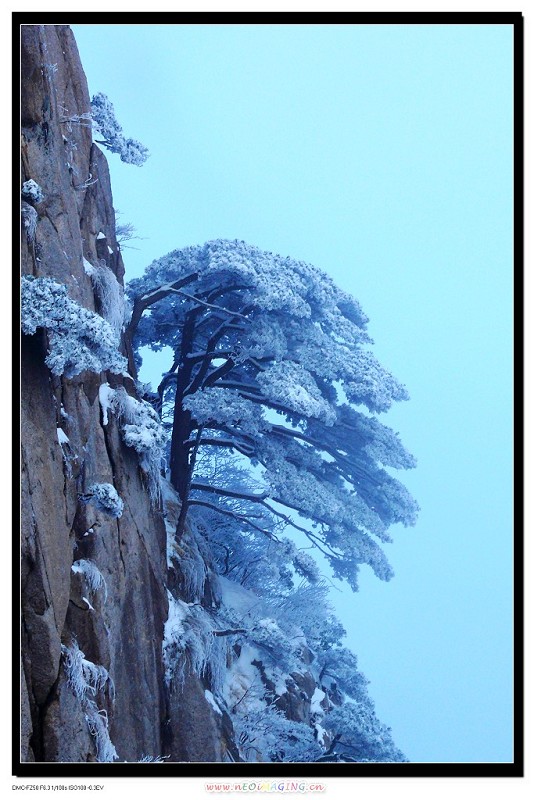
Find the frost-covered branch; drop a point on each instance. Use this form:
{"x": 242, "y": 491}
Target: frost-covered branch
{"x": 205, "y": 304}
{"x": 242, "y": 518}
{"x": 252, "y": 498}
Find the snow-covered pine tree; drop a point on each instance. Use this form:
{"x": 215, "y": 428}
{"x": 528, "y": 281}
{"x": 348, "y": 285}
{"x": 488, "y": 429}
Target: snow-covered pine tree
{"x": 110, "y": 132}
{"x": 358, "y": 735}
{"x": 271, "y": 362}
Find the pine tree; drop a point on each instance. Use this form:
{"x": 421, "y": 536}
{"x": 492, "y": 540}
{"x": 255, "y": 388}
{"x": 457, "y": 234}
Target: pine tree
{"x": 105, "y": 122}
{"x": 271, "y": 362}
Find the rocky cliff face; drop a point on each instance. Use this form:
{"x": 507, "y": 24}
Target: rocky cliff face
{"x": 75, "y": 221}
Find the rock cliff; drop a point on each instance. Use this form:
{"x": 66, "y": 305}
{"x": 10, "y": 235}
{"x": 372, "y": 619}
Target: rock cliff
{"x": 76, "y": 222}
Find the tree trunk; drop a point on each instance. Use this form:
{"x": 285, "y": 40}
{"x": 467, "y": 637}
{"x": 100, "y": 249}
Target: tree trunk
{"x": 182, "y": 427}
{"x": 179, "y": 461}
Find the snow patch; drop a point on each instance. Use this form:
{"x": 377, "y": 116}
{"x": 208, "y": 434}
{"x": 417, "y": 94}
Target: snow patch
{"x": 105, "y": 394}
{"x": 321, "y": 734}
{"x": 243, "y": 686}
{"x": 88, "y": 267}
{"x": 90, "y": 607}
{"x": 62, "y": 437}
{"x": 211, "y": 700}
{"x": 315, "y": 705}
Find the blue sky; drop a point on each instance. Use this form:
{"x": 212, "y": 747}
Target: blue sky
{"x": 383, "y": 155}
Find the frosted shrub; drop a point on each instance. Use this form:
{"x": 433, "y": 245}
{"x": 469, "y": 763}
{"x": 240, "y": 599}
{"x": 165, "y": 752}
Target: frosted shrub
{"x": 92, "y": 575}
{"x": 97, "y": 722}
{"x": 32, "y": 192}
{"x": 84, "y": 677}
{"x": 193, "y": 571}
{"x": 29, "y": 221}
{"x": 360, "y": 734}
{"x": 307, "y": 566}
{"x": 105, "y": 497}
{"x": 105, "y": 122}
{"x": 193, "y": 563}
{"x": 111, "y": 296}
{"x": 265, "y": 734}
{"x": 268, "y": 634}
{"x": 305, "y": 609}
{"x": 152, "y": 760}
{"x": 189, "y": 645}
{"x": 141, "y": 429}
{"x": 87, "y": 681}
{"x": 79, "y": 339}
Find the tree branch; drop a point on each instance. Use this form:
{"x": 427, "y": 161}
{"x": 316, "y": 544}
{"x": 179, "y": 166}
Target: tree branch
{"x": 209, "y": 305}
{"x": 238, "y": 517}
{"x": 254, "y": 498}
{"x": 229, "y": 632}
{"x": 246, "y": 450}
{"x": 140, "y": 305}
{"x": 185, "y": 501}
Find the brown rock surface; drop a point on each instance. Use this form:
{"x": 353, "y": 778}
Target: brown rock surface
{"x": 124, "y": 634}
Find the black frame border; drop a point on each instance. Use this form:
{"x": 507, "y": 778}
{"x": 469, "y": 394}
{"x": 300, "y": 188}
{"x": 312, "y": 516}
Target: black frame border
{"x": 232, "y": 772}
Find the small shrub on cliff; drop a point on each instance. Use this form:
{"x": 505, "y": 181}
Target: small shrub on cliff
{"x": 88, "y": 681}
{"x": 92, "y": 575}
{"x": 78, "y": 339}
{"x": 189, "y": 644}
{"x": 29, "y": 221}
{"x": 105, "y": 122}
{"x": 85, "y": 678}
{"x": 140, "y": 428}
{"x": 32, "y": 192}
{"x": 105, "y": 497}
{"x": 111, "y": 296}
